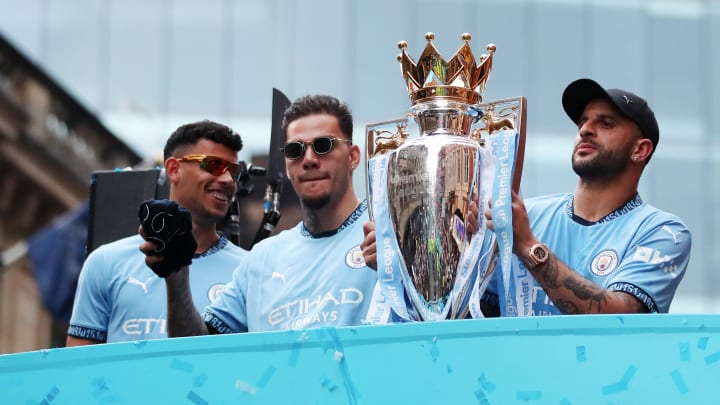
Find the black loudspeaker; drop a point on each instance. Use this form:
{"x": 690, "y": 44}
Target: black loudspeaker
{"x": 115, "y": 198}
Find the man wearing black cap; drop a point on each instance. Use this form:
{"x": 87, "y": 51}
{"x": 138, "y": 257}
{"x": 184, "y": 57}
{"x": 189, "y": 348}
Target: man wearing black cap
{"x": 602, "y": 249}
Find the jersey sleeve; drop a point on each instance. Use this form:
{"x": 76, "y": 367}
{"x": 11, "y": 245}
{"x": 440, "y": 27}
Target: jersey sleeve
{"x": 652, "y": 269}
{"x": 91, "y": 307}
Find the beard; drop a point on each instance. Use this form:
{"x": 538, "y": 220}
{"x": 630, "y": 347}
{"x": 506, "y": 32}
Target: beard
{"x": 606, "y": 164}
{"x": 315, "y": 203}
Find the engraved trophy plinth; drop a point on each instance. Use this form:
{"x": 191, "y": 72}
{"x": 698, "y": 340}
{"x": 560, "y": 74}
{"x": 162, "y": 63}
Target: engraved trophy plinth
{"x": 423, "y": 174}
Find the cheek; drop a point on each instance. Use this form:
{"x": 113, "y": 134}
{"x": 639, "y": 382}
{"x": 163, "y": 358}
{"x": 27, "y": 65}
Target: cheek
{"x": 292, "y": 169}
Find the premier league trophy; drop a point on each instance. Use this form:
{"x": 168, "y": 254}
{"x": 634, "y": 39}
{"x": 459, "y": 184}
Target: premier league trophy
{"x": 422, "y": 176}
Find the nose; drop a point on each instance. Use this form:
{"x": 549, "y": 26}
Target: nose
{"x": 310, "y": 158}
{"x": 586, "y": 129}
{"x": 226, "y": 177}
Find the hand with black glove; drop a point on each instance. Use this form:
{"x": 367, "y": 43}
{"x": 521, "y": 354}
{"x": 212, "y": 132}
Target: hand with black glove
{"x": 168, "y": 226}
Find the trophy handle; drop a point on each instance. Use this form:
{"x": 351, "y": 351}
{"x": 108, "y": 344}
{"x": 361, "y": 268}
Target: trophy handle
{"x": 383, "y": 137}
{"x": 508, "y": 113}
{"x": 520, "y": 157}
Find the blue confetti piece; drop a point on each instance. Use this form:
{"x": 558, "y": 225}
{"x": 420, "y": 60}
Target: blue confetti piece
{"x": 565, "y": 401}
{"x": 328, "y": 384}
{"x": 328, "y": 346}
{"x": 434, "y": 352}
{"x": 629, "y": 373}
{"x": 267, "y": 375}
{"x": 200, "y": 380}
{"x": 181, "y": 365}
{"x": 621, "y": 385}
{"x": 100, "y": 386}
{"x": 580, "y": 354}
{"x": 294, "y": 355}
{"x": 196, "y": 399}
{"x": 481, "y": 398}
{"x": 449, "y": 369}
{"x": 702, "y": 343}
{"x": 684, "y": 351}
{"x": 353, "y": 394}
{"x": 485, "y": 383}
{"x": 613, "y": 388}
{"x": 712, "y": 358}
{"x": 111, "y": 399}
{"x": 51, "y": 395}
{"x": 528, "y": 395}
{"x": 679, "y": 382}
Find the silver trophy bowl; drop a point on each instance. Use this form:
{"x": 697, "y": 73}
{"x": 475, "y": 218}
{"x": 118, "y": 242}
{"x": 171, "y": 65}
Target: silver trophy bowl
{"x": 431, "y": 180}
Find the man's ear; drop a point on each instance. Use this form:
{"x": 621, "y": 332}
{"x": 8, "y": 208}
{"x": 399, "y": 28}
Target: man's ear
{"x": 354, "y": 156}
{"x": 172, "y": 166}
{"x": 643, "y": 150}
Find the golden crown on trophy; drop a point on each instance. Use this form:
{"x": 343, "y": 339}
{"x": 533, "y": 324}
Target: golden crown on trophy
{"x": 460, "y": 78}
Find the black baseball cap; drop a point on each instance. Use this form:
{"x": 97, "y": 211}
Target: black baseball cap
{"x": 580, "y": 92}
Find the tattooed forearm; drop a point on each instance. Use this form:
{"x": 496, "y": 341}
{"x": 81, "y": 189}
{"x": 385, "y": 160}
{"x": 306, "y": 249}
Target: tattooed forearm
{"x": 586, "y": 291}
{"x": 550, "y": 273}
{"x": 573, "y": 294}
{"x": 566, "y": 307}
{"x": 182, "y": 317}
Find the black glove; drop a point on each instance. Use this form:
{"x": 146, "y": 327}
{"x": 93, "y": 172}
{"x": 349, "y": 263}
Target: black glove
{"x": 169, "y": 226}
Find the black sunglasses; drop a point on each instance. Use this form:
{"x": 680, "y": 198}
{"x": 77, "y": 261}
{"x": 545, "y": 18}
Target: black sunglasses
{"x": 321, "y": 146}
{"x": 214, "y": 165}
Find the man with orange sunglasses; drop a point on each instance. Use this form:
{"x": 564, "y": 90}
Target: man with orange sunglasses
{"x": 118, "y": 297}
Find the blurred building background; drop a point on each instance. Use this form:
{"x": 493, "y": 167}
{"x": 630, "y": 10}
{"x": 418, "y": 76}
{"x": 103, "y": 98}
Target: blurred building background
{"x": 145, "y": 67}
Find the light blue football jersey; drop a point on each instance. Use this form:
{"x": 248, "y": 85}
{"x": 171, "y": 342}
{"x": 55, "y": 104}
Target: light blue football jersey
{"x": 637, "y": 249}
{"x": 119, "y": 298}
{"x": 295, "y": 281}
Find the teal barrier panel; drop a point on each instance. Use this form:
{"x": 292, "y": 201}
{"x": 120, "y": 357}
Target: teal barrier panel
{"x": 630, "y": 359}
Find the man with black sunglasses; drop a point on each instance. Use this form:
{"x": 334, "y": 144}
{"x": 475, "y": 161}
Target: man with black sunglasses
{"x": 118, "y": 297}
{"x": 312, "y": 275}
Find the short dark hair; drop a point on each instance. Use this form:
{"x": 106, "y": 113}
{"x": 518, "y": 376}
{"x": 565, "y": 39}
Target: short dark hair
{"x": 320, "y": 104}
{"x": 190, "y": 134}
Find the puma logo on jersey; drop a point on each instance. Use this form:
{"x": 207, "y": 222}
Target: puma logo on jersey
{"x": 133, "y": 280}
{"x": 650, "y": 255}
{"x": 673, "y": 234}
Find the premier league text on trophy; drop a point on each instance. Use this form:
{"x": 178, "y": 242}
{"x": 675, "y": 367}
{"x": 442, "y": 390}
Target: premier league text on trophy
{"x": 422, "y": 175}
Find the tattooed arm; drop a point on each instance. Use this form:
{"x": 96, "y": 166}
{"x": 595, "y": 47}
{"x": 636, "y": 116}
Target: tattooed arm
{"x": 570, "y": 292}
{"x": 182, "y": 317}
{"x": 574, "y": 294}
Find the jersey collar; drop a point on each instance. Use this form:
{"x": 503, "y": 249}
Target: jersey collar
{"x": 624, "y": 209}
{"x": 354, "y": 216}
